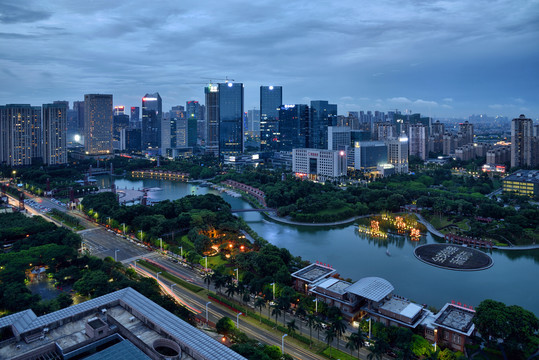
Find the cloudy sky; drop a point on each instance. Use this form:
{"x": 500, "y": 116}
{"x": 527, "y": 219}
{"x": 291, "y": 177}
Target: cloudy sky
{"x": 448, "y": 58}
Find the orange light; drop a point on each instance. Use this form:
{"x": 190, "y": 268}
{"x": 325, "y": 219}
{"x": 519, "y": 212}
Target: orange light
{"x": 242, "y": 247}
{"x": 230, "y": 245}
{"x": 223, "y": 339}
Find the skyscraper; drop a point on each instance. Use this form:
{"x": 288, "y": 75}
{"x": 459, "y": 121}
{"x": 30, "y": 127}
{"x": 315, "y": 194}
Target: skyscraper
{"x": 466, "y": 129}
{"x": 152, "y": 116}
{"x": 194, "y": 133}
{"x": 97, "y": 124}
{"x": 211, "y": 93}
{"x": 397, "y": 153}
{"x": 230, "y": 118}
{"x": 271, "y": 98}
{"x": 293, "y": 127}
{"x": 135, "y": 115}
{"x": 521, "y": 142}
{"x": 20, "y": 134}
{"x": 323, "y": 115}
{"x": 417, "y": 135}
{"x": 55, "y": 133}
{"x": 78, "y": 106}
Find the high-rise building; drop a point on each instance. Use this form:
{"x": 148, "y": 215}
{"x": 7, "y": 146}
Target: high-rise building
{"x": 20, "y": 134}
{"x": 119, "y": 110}
{"x": 135, "y": 115}
{"x": 78, "y": 106}
{"x": 271, "y": 98}
{"x": 253, "y": 121}
{"x": 120, "y": 121}
{"x": 152, "y": 116}
{"x": 339, "y": 137}
{"x": 369, "y": 154}
{"x": 323, "y": 115}
{"x": 55, "y": 133}
{"x": 230, "y": 118}
{"x": 397, "y": 153}
{"x": 417, "y": 140}
{"x": 521, "y": 142}
{"x": 466, "y": 129}
{"x": 211, "y": 93}
{"x": 195, "y": 122}
{"x": 98, "y": 124}
{"x": 292, "y": 129}
{"x": 319, "y": 164}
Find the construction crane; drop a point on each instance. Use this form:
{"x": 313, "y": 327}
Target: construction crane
{"x": 226, "y": 79}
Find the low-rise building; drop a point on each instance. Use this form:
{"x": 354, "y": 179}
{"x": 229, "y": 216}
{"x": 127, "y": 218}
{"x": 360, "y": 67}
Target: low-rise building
{"x": 311, "y": 274}
{"x": 451, "y": 326}
{"x": 317, "y": 164}
{"x": 523, "y": 182}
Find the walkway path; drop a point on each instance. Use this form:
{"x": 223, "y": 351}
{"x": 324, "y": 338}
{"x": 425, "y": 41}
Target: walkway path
{"x": 290, "y": 222}
{"x": 429, "y": 226}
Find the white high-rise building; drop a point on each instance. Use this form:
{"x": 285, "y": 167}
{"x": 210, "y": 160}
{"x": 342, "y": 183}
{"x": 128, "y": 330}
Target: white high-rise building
{"x": 397, "y": 153}
{"x": 417, "y": 135}
{"x": 55, "y": 133}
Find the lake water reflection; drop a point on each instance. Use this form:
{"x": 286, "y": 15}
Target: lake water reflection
{"x": 512, "y": 279}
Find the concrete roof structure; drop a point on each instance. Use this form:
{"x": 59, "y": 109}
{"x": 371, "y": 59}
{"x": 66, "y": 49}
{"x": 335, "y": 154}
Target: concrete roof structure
{"x": 456, "y": 318}
{"x": 371, "y": 288}
{"x": 126, "y": 311}
{"x": 314, "y": 273}
{"x": 402, "y": 307}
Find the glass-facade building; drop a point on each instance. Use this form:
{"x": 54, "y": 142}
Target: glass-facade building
{"x": 152, "y": 116}
{"x": 211, "y": 93}
{"x": 271, "y": 98}
{"x": 323, "y": 115}
{"x": 98, "y": 124}
{"x": 230, "y": 119}
{"x": 55, "y": 133}
{"x": 293, "y": 127}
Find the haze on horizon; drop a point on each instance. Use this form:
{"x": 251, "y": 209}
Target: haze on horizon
{"x": 440, "y": 58}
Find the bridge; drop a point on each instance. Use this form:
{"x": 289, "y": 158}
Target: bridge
{"x": 253, "y": 210}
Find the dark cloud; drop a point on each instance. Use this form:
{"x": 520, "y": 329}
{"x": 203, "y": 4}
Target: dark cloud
{"x": 13, "y": 14}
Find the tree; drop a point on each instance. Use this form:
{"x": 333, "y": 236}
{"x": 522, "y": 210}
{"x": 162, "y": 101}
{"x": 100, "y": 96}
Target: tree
{"x": 276, "y": 311}
{"x": 230, "y": 290}
{"x": 225, "y": 326}
{"x": 300, "y": 312}
{"x": 378, "y": 350}
{"x": 259, "y": 303}
{"x": 318, "y": 326}
{"x": 339, "y": 326}
{"x": 355, "y": 342}
{"x": 311, "y": 322}
{"x": 291, "y": 325}
{"x": 208, "y": 276}
{"x": 330, "y": 336}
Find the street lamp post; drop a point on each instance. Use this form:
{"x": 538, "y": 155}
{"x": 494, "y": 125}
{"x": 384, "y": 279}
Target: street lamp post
{"x": 181, "y": 251}
{"x": 237, "y": 274}
{"x": 315, "y": 304}
{"x": 273, "y": 290}
{"x": 206, "y": 259}
{"x": 115, "y": 256}
{"x": 141, "y": 235}
{"x": 123, "y": 224}
{"x": 282, "y": 343}
{"x": 208, "y": 303}
{"x": 157, "y": 275}
{"x": 238, "y": 320}
{"x": 161, "y": 244}
{"x": 369, "y": 328}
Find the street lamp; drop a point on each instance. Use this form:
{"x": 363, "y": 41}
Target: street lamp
{"x": 237, "y": 274}
{"x": 273, "y": 290}
{"x": 115, "y": 252}
{"x": 140, "y": 234}
{"x": 369, "y": 328}
{"x": 161, "y": 244}
{"x": 316, "y": 304}
{"x": 206, "y": 258}
{"x": 208, "y": 303}
{"x": 181, "y": 251}
{"x": 123, "y": 224}
{"x": 282, "y": 343}
{"x": 238, "y": 320}
{"x": 157, "y": 275}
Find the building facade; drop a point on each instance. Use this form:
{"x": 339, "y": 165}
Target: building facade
{"x": 55, "y": 133}
{"x": 523, "y": 182}
{"x": 417, "y": 135}
{"x": 397, "y": 154}
{"x": 211, "y": 93}
{"x": 271, "y": 98}
{"x": 230, "y": 119}
{"x": 292, "y": 128}
{"x": 98, "y": 124}
{"x": 521, "y": 142}
{"x": 20, "y": 134}
{"x": 323, "y": 114}
{"x": 319, "y": 165}
{"x": 152, "y": 117}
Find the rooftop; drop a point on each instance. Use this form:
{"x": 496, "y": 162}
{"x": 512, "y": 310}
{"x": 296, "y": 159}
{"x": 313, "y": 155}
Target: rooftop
{"x": 371, "y": 288}
{"x": 402, "y": 307}
{"x": 334, "y": 285}
{"x": 456, "y": 318}
{"x": 122, "y": 351}
{"x": 313, "y": 272}
{"x": 530, "y": 176}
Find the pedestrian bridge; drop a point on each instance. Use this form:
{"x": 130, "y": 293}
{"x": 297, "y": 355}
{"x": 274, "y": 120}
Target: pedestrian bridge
{"x": 253, "y": 210}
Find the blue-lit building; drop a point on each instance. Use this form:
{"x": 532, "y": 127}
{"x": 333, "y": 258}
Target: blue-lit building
{"x": 230, "y": 118}
{"x": 152, "y": 116}
{"x": 293, "y": 127}
{"x": 271, "y": 98}
{"x": 323, "y": 115}
{"x": 211, "y": 143}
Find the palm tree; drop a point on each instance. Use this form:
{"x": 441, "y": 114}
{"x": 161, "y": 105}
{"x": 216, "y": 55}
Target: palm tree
{"x": 355, "y": 342}
{"x": 207, "y": 279}
{"x": 230, "y": 290}
{"x": 378, "y": 350}
{"x": 300, "y": 312}
{"x": 311, "y": 321}
{"x": 339, "y": 326}
{"x": 291, "y": 325}
{"x": 284, "y": 305}
{"x": 318, "y": 326}
{"x": 259, "y": 303}
{"x": 277, "y": 312}
{"x": 407, "y": 354}
{"x": 218, "y": 281}
{"x": 330, "y": 336}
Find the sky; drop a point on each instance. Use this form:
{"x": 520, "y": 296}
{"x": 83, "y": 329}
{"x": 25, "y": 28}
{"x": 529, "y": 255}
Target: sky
{"x": 449, "y": 58}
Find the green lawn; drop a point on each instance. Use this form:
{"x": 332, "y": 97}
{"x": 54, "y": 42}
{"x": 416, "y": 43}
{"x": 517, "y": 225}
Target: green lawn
{"x": 337, "y": 354}
{"x": 214, "y": 261}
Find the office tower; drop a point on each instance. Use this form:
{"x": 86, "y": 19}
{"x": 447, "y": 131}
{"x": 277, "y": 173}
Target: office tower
{"x": 230, "y": 126}
{"x": 152, "y": 109}
{"x": 521, "y": 142}
{"x": 292, "y": 128}
{"x": 97, "y": 124}
{"x": 55, "y": 133}
{"x": 132, "y": 140}
{"x": 253, "y": 121}
{"x": 397, "y": 153}
{"x": 385, "y": 131}
{"x": 20, "y": 134}
{"x": 120, "y": 121}
{"x": 135, "y": 115}
{"x": 211, "y": 93}
{"x": 119, "y": 110}
{"x": 367, "y": 155}
{"x": 466, "y": 129}
{"x": 271, "y": 98}
{"x": 78, "y": 106}
{"x": 339, "y": 137}
{"x": 417, "y": 140}
{"x": 195, "y": 122}
{"x": 323, "y": 115}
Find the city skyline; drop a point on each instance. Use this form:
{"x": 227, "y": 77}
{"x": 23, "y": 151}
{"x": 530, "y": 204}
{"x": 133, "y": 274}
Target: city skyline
{"x": 440, "y": 59}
